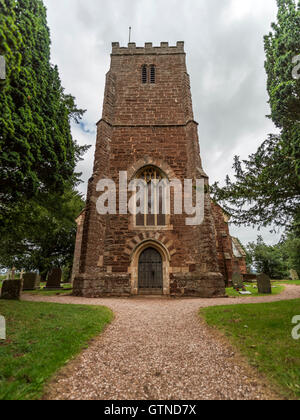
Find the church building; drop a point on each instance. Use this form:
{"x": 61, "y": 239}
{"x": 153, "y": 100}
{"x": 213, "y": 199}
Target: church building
{"x": 148, "y": 130}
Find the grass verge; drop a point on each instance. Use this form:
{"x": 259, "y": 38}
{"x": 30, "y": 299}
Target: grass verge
{"x": 41, "y": 338}
{"x": 66, "y": 289}
{"x": 233, "y": 293}
{"x": 292, "y": 282}
{"x": 263, "y": 333}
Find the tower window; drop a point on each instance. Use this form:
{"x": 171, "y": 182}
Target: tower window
{"x": 146, "y": 217}
{"x": 148, "y": 74}
{"x": 144, "y": 74}
{"x": 152, "y": 74}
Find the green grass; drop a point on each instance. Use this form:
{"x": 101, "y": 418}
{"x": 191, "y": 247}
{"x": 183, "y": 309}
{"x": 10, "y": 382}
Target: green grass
{"x": 66, "y": 290}
{"x": 41, "y": 338}
{"x": 61, "y": 292}
{"x": 233, "y": 293}
{"x": 49, "y": 292}
{"x": 292, "y": 282}
{"x": 263, "y": 333}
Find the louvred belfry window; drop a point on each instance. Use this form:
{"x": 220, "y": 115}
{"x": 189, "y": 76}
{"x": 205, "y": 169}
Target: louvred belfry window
{"x": 144, "y": 74}
{"x": 148, "y": 74}
{"x": 152, "y": 74}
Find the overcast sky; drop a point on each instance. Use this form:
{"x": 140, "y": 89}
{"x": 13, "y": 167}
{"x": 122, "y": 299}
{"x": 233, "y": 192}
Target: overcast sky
{"x": 225, "y": 58}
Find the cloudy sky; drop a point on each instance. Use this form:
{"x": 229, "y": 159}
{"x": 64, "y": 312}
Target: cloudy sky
{"x": 225, "y": 57}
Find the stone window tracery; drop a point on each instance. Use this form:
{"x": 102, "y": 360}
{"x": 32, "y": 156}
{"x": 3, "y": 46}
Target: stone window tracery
{"x": 146, "y": 218}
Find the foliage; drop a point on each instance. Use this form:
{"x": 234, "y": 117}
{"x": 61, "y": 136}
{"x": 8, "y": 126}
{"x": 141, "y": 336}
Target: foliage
{"x": 10, "y": 38}
{"x": 277, "y": 260}
{"x": 37, "y": 152}
{"x": 40, "y": 234}
{"x": 281, "y": 46}
{"x": 268, "y": 259}
{"x": 291, "y": 251}
{"x": 41, "y": 338}
{"x": 267, "y": 186}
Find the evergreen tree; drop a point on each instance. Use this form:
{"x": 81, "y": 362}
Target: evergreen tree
{"x": 267, "y": 185}
{"x": 270, "y": 260}
{"x": 37, "y": 152}
{"x": 291, "y": 250}
{"x": 40, "y": 233}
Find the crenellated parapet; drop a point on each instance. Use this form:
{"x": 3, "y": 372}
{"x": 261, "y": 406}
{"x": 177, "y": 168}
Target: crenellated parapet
{"x": 148, "y": 49}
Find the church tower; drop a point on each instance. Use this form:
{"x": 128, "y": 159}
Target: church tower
{"x": 148, "y": 131}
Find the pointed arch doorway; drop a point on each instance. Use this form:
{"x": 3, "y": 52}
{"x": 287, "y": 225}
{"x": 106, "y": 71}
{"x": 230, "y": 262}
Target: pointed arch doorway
{"x": 150, "y": 272}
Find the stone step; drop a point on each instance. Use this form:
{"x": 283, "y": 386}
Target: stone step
{"x": 150, "y": 292}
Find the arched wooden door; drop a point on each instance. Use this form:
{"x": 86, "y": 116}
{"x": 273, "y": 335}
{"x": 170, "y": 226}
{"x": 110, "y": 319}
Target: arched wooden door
{"x": 150, "y": 271}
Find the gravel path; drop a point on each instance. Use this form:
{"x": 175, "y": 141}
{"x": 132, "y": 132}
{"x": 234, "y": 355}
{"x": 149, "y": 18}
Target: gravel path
{"x": 159, "y": 349}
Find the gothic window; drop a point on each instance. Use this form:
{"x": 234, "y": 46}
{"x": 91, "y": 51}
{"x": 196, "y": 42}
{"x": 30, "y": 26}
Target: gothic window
{"x": 146, "y": 218}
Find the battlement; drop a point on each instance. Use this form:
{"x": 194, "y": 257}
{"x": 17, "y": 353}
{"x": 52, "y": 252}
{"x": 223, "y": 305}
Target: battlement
{"x": 148, "y": 49}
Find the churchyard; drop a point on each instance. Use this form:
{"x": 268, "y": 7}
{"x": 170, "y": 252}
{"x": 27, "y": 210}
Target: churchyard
{"x": 123, "y": 280}
{"x": 262, "y": 332}
{"x": 42, "y": 337}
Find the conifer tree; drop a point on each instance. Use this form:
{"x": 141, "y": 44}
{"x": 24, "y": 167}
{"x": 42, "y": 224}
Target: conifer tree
{"x": 267, "y": 185}
{"x": 37, "y": 151}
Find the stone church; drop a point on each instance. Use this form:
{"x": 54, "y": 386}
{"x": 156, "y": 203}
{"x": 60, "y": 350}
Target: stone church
{"x": 148, "y": 130}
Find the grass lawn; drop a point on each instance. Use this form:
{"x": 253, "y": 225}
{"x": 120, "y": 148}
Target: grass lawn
{"x": 292, "y": 282}
{"x": 66, "y": 290}
{"x": 61, "y": 292}
{"x": 263, "y": 333}
{"x": 41, "y": 338}
{"x": 275, "y": 291}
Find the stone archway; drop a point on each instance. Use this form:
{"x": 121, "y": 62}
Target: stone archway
{"x": 146, "y": 161}
{"x": 165, "y": 261}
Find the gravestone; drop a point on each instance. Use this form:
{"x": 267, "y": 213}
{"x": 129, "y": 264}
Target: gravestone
{"x": 264, "y": 284}
{"x": 294, "y": 275}
{"x": 11, "y": 289}
{"x": 237, "y": 281}
{"x": 31, "y": 281}
{"x": 54, "y": 279}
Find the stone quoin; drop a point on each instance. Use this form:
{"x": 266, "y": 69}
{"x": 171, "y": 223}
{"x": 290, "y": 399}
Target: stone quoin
{"x": 148, "y": 130}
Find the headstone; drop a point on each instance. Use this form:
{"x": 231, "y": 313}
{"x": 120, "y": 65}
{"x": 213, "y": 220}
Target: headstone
{"x": 54, "y": 279}
{"x": 11, "y": 289}
{"x": 294, "y": 275}
{"x": 31, "y": 281}
{"x": 245, "y": 293}
{"x": 237, "y": 281}
{"x": 264, "y": 284}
